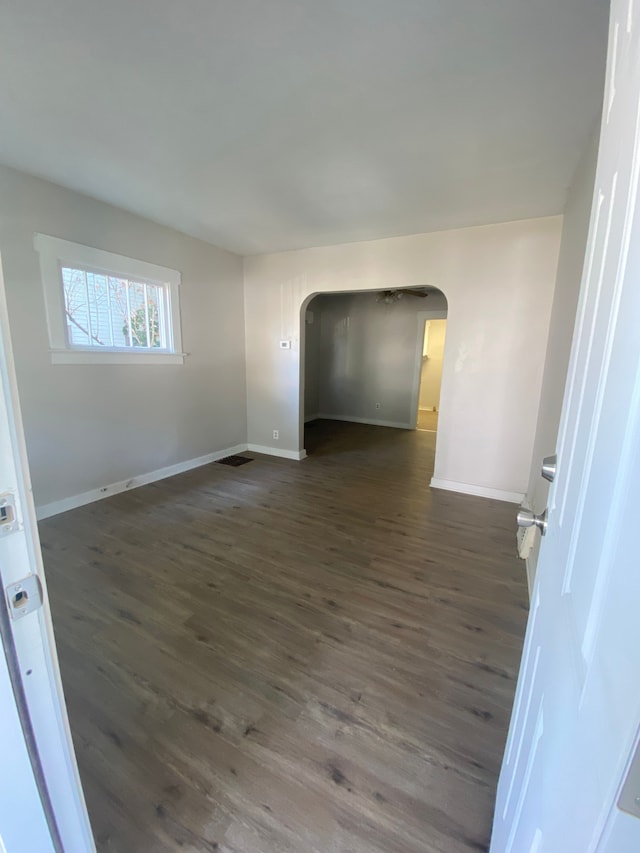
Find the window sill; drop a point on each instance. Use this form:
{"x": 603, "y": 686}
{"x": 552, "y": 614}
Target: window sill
{"x": 90, "y": 357}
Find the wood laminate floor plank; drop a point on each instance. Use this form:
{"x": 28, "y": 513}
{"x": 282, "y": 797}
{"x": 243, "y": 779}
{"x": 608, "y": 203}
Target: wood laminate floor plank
{"x": 314, "y": 657}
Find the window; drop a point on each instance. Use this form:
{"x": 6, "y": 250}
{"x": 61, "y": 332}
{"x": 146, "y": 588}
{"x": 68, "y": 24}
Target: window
{"x": 108, "y": 309}
{"x": 103, "y": 310}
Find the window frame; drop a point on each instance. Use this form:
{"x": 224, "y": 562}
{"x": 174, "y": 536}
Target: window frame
{"x": 56, "y": 253}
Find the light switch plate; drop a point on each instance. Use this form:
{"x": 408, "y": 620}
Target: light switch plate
{"x": 285, "y": 344}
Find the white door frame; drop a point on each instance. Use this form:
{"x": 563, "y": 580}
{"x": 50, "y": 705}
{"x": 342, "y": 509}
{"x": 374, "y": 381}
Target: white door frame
{"x": 422, "y": 317}
{"x": 41, "y": 707}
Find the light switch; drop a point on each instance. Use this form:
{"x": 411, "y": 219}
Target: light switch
{"x": 285, "y": 344}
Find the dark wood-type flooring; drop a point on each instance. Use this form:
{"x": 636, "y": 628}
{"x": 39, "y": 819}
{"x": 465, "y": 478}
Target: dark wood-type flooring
{"x": 316, "y": 656}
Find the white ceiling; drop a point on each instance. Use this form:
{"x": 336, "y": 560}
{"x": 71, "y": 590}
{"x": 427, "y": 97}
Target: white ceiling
{"x": 261, "y": 125}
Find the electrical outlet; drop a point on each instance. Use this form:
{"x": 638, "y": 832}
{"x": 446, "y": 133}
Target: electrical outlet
{"x": 378, "y": 405}
{"x": 276, "y": 434}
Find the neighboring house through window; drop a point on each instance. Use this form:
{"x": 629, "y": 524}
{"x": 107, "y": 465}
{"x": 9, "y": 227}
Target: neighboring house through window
{"x": 104, "y": 308}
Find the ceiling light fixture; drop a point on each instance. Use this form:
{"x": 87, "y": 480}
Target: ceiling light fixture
{"x": 388, "y": 297}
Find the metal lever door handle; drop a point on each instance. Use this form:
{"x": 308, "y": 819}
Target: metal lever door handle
{"x": 527, "y": 518}
{"x": 549, "y": 467}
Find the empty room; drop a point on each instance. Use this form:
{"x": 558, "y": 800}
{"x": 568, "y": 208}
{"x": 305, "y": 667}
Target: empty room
{"x": 320, "y": 406}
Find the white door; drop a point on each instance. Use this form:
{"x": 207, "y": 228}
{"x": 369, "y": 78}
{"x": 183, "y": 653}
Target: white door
{"x": 41, "y": 802}
{"x": 577, "y": 709}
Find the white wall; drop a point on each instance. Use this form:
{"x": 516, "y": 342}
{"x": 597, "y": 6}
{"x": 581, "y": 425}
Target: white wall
{"x": 431, "y": 368}
{"x": 367, "y": 355}
{"x": 574, "y": 239}
{"x": 498, "y": 281}
{"x": 88, "y": 426}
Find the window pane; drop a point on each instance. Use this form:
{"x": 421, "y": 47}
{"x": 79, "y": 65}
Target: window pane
{"x": 143, "y": 329}
{"x": 108, "y": 311}
{"x": 136, "y": 326}
{"x": 76, "y": 307}
{"x": 118, "y": 289}
{"x": 154, "y": 301}
{"x": 98, "y": 310}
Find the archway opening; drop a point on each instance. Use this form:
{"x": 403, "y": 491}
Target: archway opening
{"x": 364, "y": 359}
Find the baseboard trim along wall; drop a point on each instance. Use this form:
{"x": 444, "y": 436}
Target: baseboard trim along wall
{"x": 65, "y": 504}
{"x": 369, "y": 421}
{"x": 479, "y": 491}
{"x": 275, "y": 451}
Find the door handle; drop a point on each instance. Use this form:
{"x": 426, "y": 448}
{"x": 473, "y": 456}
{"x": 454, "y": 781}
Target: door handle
{"x": 527, "y": 518}
{"x": 549, "y": 467}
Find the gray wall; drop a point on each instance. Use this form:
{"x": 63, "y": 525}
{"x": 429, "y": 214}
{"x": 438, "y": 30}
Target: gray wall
{"x": 366, "y": 355}
{"x": 89, "y": 426}
{"x": 563, "y": 314}
{"x": 312, "y": 364}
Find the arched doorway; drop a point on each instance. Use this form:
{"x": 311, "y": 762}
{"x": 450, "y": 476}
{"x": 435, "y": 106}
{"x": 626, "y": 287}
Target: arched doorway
{"x": 361, "y": 356}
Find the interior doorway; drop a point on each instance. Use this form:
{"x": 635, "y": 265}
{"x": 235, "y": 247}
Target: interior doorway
{"x": 431, "y": 362}
{"x": 362, "y": 358}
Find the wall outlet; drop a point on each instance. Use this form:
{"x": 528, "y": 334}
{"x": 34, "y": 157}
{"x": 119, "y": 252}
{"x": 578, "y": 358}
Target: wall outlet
{"x": 378, "y": 405}
{"x": 276, "y": 434}
{"x": 285, "y": 344}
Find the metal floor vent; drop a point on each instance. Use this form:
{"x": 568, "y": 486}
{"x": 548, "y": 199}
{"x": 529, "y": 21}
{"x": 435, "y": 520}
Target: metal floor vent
{"x": 234, "y": 461}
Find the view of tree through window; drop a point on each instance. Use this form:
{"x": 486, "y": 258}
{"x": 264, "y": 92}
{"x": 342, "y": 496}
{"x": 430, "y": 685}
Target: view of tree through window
{"x": 103, "y": 310}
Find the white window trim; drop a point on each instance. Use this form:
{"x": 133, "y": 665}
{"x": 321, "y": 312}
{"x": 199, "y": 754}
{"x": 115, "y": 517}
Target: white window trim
{"x": 55, "y": 252}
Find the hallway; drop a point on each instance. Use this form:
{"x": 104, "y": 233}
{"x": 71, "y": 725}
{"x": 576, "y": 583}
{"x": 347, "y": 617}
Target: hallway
{"x": 291, "y": 657}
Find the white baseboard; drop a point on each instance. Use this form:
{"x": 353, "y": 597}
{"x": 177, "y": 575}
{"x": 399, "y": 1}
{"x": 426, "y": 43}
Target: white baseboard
{"x": 370, "y": 421}
{"x": 56, "y": 507}
{"x": 276, "y": 451}
{"x": 308, "y": 418}
{"x": 479, "y": 491}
